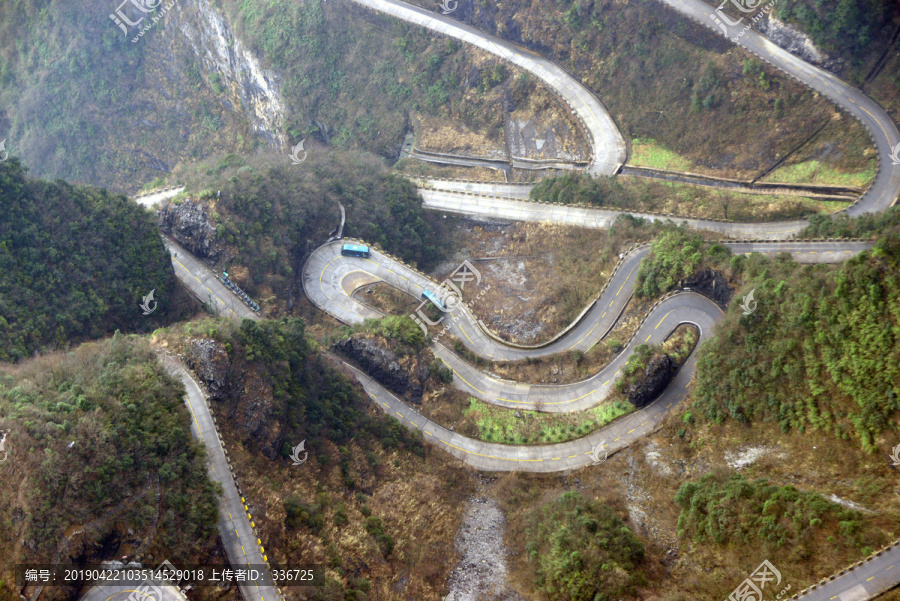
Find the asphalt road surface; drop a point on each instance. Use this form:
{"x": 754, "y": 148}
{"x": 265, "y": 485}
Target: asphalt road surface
{"x": 326, "y": 273}
{"x": 118, "y": 592}
{"x": 237, "y": 535}
{"x": 607, "y": 145}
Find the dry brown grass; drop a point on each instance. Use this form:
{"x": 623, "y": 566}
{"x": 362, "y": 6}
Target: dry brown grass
{"x": 419, "y": 500}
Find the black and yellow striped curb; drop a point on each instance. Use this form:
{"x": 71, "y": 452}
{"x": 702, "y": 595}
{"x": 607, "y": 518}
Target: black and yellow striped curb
{"x": 849, "y": 569}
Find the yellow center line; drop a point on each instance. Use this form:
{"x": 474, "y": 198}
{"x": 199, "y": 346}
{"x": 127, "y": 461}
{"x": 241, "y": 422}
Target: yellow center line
{"x": 488, "y": 456}
{"x": 626, "y": 279}
{"x": 876, "y": 121}
{"x": 464, "y": 380}
{"x": 663, "y": 319}
{"x": 648, "y": 337}
{"x": 461, "y": 329}
{"x": 585, "y": 336}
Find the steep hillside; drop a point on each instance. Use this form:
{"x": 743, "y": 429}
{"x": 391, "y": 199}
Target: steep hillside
{"x": 75, "y": 263}
{"x": 819, "y": 352}
{"x": 260, "y": 222}
{"x": 372, "y": 502}
{"x": 99, "y": 440}
{"x": 687, "y": 92}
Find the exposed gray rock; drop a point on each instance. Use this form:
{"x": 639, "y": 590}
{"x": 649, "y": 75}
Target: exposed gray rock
{"x": 191, "y": 227}
{"x": 210, "y": 362}
{"x": 711, "y": 284}
{"x": 384, "y": 365}
{"x": 656, "y": 377}
{"x": 242, "y": 393}
{"x": 482, "y": 573}
{"x": 790, "y": 38}
{"x": 244, "y": 80}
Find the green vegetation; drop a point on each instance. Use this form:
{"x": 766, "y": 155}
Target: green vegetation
{"x": 582, "y": 551}
{"x": 729, "y": 509}
{"x": 581, "y": 188}
{"x": 637, "y": 363}
{"x": 311, "y": 400}
{"x": 401, "y": 329}
{"x": 318, "y": 57}
{"x": 491, "y": 423}
{"x": 75, "y": 263}
{"x": 129, "y": 427}
{"x": 630, "y": 193}
{"x": 439, "y": 370}
{"x": 273, "y": 217}
{"x": 647, "y": 152}
{"x": 864, "y": 226}
{"x": 844, "y": 27}
{"x": 675, "y": 255}
{"x": 815, "y": 172}
{"x": 820, "y": 352}
{"x": 300, "y": 515}
{"x": 376, "y": 529}
{"x": 85, "y": 61}
{"x": 636, "y": 366}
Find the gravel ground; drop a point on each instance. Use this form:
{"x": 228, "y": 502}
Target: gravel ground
{"x": 481, "y": 574}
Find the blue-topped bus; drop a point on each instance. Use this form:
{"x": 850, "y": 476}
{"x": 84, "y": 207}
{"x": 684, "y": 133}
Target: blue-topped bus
{"x": 434, "y": 300}
{"x": 355, "y": 250}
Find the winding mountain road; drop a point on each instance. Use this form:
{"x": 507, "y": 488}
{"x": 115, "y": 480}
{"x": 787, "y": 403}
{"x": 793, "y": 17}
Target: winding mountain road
{"x": 607, "y": 144}
{"x": 329, "y": 278}
{"x": 468, "y": 197}
{"x": 496, "y": 200}
{"x": 237, "y": 534}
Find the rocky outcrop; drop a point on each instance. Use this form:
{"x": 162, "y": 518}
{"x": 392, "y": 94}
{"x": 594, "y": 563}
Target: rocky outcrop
{"x": 711, "y": 284}
{"x": 257, "y": 90}
{"x": 404, "y": 375}
{"x": 656, "y": 377}
{"x": 791, "y": 39}
{"x": 189, "y": 225}
{"x": 208, "y": 359}
{"x": 242, "y": 393}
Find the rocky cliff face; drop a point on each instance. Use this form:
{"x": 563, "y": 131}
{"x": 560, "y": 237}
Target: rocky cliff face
{"x": 657, "y": 376}
{"x": 255, "y": 89}
{"x": 711, "y": 284}
{"x": 245, "y": 398}
{"x": 791, "y": 39}
{"x": 189, "y": 225}
{"x": 403, "y": 375}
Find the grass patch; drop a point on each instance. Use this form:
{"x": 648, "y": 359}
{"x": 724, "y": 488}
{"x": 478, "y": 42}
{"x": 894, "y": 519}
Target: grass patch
{"x": 646, "y": 152}
{"x": 500, "y": 425}
{"x": 814, "y": 172}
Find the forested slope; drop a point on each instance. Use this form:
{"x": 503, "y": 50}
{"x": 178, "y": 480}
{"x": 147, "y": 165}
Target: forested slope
{"x": 264, "y": 218}
{"x": 75, "y": 263}
{"x": 820, "y": 351}
{"x": 92, "y": 431}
